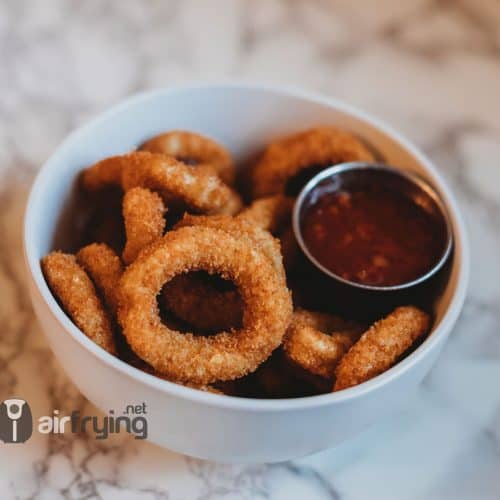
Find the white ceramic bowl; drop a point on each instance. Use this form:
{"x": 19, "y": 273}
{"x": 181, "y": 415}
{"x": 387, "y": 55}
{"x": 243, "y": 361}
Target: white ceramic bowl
{"x": 205, "y": 425}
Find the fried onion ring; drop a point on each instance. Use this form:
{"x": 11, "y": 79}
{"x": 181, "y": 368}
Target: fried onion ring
{"x": 226, "y": 355}
{"x": 178, "y": 184}
{"x": 105, "y": 269}
{"x": 77, "y": 296}
{"x": 311, "y": 150}
{"x": 194, "y": 149}
{"x": 143, "y": 214}
{"x": 317, "y": 341}
{"x": 380, "y": 346}
{"x": 201, "y": 303}
{"x": 255, "y": 236}
{"x": 272, "y": 213}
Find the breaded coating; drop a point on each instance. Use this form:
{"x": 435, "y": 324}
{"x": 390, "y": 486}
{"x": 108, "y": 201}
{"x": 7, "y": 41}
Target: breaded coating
{"x": 77, "y": 296}
{"x": 105, "y": 269}
{"x": 103, "y": 174}
{"x": 272, "y": 213}
{"x": 316, "y": 148}
{"x": 144, "y": 367}
{"x": 196, "y": 359}
{"x": 204, "y": 306}
{"x": 380, "y": 347}
{"x": 317, "y": 341}
{"x": 201, "y": 304}
{"x": 255, "y": 236}
{"x": 179, "y": 185}
{"x": 202, "y": 298}
{"x": 143, "y": 214}
{"x": 194, "y": 149}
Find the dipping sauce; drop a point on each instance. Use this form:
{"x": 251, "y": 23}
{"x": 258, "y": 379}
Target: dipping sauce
{"x": 374, "y": 236}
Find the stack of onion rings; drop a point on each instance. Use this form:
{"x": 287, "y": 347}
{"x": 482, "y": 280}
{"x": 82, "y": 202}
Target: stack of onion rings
{"x": 194, "y": 149}
{"x": 226, "y": 355}
{"x": 178, "y": 184}
{"x": 202, "y": 298}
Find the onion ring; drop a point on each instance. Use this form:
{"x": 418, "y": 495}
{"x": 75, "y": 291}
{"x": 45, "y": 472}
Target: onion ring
{"x": 226, "y": 355}
{"x": 140, "y": 364}
{"x": 178, "y": 184}
{"x": 317, "y": 341}
{"x": 255, "y": 236}
{"x": 77, "y": 296}
{"x": 380, "y": 346}
{"x": 294, "y": 155}
{"x": 194, "y": 149}
{"x": 105, "y": 269}
{"x": 272, "y": 213}
{"x": 201, "y": 303}
{"x": 143, "y": 214}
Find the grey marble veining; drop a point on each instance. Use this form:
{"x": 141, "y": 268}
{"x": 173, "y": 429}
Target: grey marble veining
{"x": 430, "y": 68}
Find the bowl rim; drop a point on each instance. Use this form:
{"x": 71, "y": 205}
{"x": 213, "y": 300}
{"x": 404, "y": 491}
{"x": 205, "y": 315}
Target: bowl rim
{"x": 232, "y": 402}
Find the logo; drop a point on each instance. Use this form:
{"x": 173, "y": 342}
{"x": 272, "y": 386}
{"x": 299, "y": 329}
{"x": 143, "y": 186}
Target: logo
{"x": 16, "y": 421}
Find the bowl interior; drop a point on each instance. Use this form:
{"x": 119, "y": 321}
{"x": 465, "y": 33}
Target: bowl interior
{"x": 242, "y": 118}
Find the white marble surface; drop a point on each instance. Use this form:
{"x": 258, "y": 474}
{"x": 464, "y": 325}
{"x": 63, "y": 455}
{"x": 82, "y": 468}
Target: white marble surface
{"x": 431, "y": 68}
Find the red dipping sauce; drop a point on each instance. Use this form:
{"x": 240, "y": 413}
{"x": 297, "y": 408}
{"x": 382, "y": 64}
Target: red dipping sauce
{"x": 374, "y": 236}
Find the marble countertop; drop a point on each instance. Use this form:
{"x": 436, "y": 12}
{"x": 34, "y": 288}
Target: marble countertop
{"x": 430, "y": 68}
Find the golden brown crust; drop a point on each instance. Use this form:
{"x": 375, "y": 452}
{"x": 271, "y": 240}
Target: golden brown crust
{"x": 184, "y": 356}
{"x": 103, "y": 174}
{"x": 254, "y": 236}
{"x": 189, "y": 146}
{"x": 272, "y": 213}
{"x": 286, "y": 158}
{"x": 143, "y": 366}
{"x": 178, "y": 184}
{"x": 204, "y": 306}
{"x": 318, "y": 341}
{"x": 246, "y": 339}
{"x": 143, "y": 214}
{"x": 380, "y": 347}
{"x": 105, "y": 269}
{"x": 77, "y": 295}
